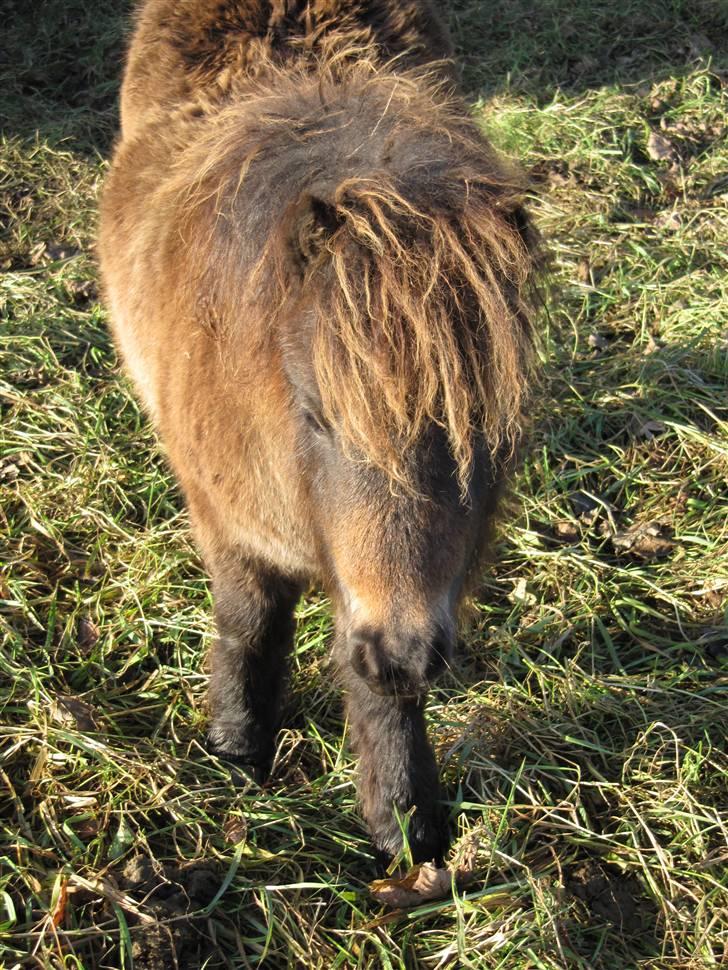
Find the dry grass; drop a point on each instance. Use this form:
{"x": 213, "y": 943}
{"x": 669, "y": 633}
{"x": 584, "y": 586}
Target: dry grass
{"x": 583, "y": 742}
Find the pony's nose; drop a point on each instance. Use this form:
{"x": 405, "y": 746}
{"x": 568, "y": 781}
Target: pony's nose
{"x": 401, "y": 665}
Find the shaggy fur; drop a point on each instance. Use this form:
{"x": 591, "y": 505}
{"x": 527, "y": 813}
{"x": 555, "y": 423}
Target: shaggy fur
{"x": 189, "y": 49}
{"x": 415, "y": 257}
{"x": 318, "y": 274}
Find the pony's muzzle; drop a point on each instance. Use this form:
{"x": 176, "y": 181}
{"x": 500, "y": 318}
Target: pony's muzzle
{"x": 402, "y": 666}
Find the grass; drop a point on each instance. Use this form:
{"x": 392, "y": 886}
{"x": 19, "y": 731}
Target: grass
{"x": 583, "y": 737}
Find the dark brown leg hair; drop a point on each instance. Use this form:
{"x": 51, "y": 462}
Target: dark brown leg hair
{"x": 255, "y": 626}
{"x": 397, "y": 770}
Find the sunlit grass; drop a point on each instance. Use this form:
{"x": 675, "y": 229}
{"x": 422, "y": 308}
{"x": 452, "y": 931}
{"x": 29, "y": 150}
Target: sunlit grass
{"x": 582, "y": 736}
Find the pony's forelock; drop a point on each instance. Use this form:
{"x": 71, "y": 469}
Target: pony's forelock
{"x": 421, "y": 317}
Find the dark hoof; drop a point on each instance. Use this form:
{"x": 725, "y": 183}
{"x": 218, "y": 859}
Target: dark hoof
{"x": 245, "y": 764}
{"x": 427, "y": 841}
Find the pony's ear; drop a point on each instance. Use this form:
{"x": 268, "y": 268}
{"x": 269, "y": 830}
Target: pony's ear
{"x": 312, "y": 222}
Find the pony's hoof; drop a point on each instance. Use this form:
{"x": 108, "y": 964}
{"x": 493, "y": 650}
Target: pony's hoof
{"x": 245, "y": 764}
{"x": 427, "y": 841}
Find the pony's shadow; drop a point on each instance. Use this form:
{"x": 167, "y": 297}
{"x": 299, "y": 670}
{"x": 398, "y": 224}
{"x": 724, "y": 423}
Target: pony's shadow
{"x": 60, "y": 67}
{"x": 62, "y": 59}
{"x": 539, "y": 47}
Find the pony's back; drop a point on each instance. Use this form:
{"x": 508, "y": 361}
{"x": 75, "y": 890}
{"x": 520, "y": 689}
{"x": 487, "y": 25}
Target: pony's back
{"x": 188, "y": 50}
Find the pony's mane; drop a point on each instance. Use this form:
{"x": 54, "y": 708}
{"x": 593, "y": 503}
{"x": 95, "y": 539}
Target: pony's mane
{"x": 422, "y": 316}
{"x": 419, "y": 273}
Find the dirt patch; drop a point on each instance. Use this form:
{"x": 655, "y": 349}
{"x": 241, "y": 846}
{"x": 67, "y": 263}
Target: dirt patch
{"x": 173, "y": 895}
{"x": 609, "y": 894}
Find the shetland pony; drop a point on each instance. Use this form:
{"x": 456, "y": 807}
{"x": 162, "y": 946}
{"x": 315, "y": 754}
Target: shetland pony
{"x": 318, "y": 277}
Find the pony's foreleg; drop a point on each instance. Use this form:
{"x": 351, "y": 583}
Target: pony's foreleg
{"x": 397, "y": 771}
{"x": 255, "y": 626}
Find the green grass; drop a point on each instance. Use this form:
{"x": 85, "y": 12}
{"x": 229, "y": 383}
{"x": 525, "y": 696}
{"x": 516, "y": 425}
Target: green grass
{"x": 583, "y": 737}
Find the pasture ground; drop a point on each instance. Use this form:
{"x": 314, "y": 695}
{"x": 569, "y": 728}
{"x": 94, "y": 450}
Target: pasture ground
{"x": 583, "y": 736}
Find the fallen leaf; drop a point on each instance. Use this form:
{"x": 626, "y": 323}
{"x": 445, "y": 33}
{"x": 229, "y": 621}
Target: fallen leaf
{"x": 520, "y": 593}
{"x": 648, "y": 541}
{"x": 584, "y": 271}
{"x": 81, "y": 801}
{"x": 566, "y": 531}
{"x": 60, "y": 893}
{"x": 651, "y": 429}
{"x": 88, "y": 633}
{"x": 659, "y": 148}
{"x": 74, "y": 711}
{"x": 235, "y": 830}
{"x": 86, "y": 829}
{"x": 422, "y": 884}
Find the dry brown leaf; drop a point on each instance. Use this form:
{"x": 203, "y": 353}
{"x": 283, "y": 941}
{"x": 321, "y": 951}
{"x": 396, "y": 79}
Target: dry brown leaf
{"x": 59, "y": 910}
{"x": 72, "y": 710}
{"x": 86, "y": 829}
{"x": 235, "y": 830}
{"x": 566, "y": 531}
{"x": 88, "y": 633}
{"x": 649, "y": 541}
{"x": 584, "y": 271}
{"x": 422, "y": 884}
{"x": 659, "y": 148}
{"x": 427, "y": 882}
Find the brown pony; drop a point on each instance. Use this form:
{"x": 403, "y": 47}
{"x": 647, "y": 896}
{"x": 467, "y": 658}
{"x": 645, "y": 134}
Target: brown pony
{"x": 318, "y": 276}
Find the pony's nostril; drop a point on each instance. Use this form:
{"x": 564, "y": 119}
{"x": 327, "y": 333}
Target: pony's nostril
{"x": 366, "y": 655}
{"x": 437, "y": 661}
{"x": 382, "y": 669}
{"x": 402, "y": 665}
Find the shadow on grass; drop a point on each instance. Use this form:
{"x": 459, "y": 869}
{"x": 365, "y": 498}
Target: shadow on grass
{"x": 537, "y": 47}
{"x": 62, "y": 62}
{"x": 63, "y": 59}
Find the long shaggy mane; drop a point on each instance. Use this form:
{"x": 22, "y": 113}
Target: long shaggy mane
{"x": 411, "y": 250}
{"x": 423, "y": 316}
